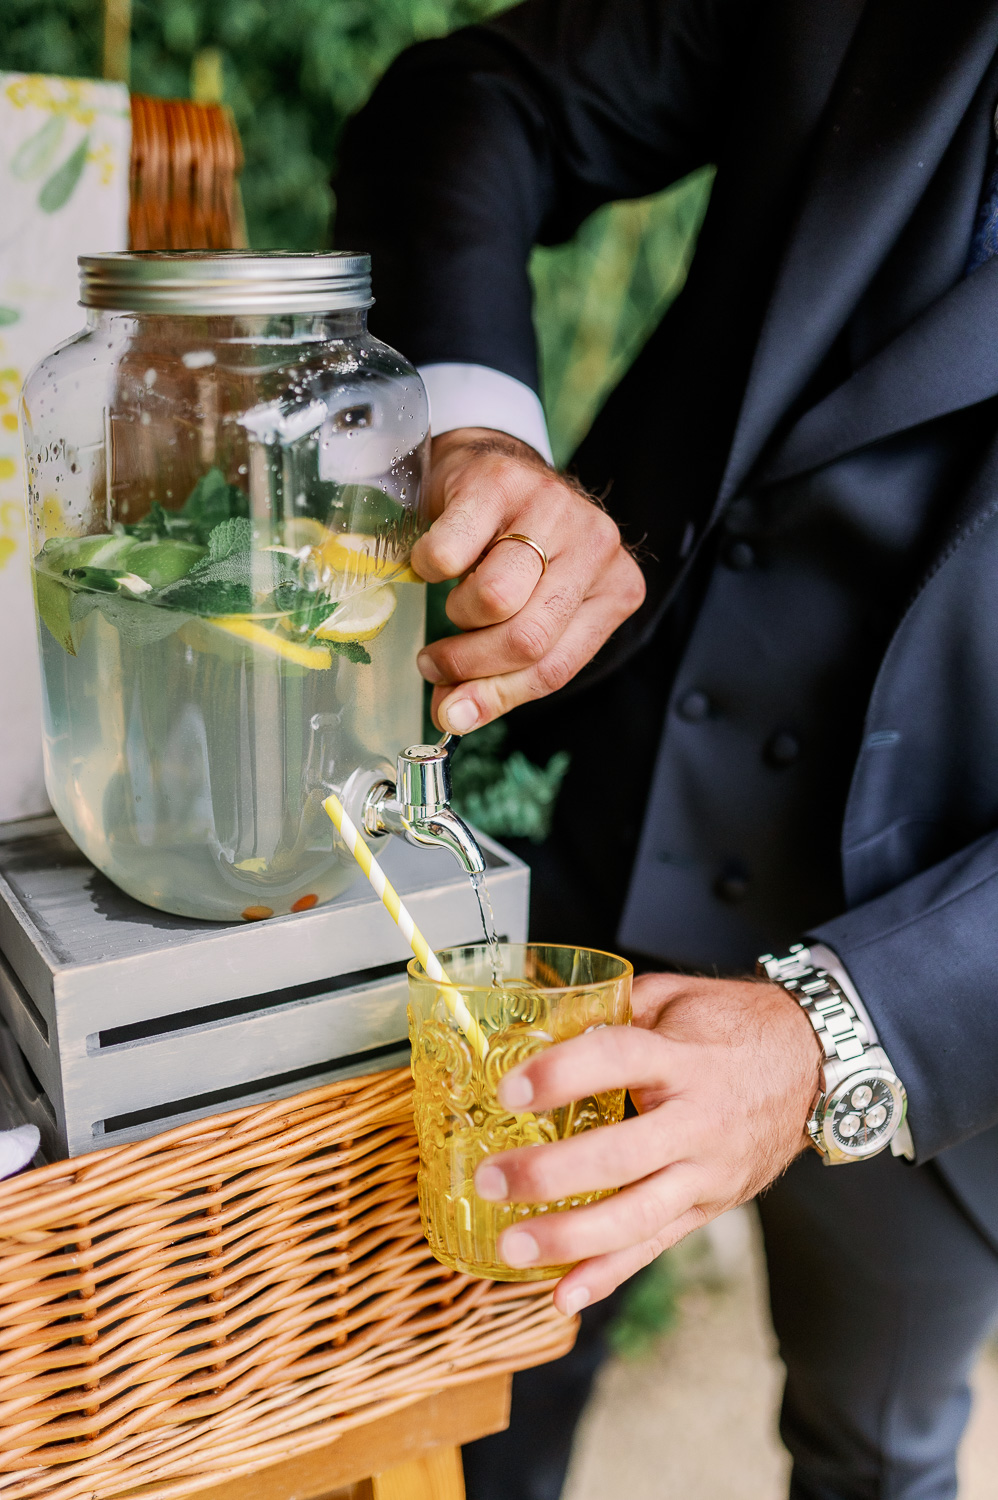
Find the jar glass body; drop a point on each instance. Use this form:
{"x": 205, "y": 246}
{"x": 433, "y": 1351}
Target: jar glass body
{"x": 222, "y": 512}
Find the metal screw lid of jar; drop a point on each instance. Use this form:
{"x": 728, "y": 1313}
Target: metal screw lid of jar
{"x": 202, "y": 282}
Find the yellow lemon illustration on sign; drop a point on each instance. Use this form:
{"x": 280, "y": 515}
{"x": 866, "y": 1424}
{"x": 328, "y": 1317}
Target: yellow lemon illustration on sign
{"x": 360, "y": 618}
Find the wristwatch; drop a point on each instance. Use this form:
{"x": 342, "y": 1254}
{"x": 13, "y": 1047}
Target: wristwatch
{"x": 862, "y": 1106}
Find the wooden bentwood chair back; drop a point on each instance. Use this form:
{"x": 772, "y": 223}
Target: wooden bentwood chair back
{"x": 185, "y": 162}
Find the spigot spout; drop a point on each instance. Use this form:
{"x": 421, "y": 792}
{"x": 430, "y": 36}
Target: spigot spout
{"x": 445, "y": 830}
{"x": 418, "y": 809}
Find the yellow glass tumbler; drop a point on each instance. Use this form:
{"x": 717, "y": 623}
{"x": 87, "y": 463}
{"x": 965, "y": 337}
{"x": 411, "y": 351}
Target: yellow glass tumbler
{"x": 547, "y": 994}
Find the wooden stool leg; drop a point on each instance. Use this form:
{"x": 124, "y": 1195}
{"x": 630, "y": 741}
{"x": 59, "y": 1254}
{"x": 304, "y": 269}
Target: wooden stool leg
{"x": 436, "y": 1475}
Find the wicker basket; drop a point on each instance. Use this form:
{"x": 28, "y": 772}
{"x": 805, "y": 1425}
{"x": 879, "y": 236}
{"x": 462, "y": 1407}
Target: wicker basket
{"x": 196, "y": 1306}
{"x": 184, "y": 165}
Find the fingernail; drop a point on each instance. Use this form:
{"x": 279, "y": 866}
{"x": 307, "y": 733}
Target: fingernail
{"x": 428, "y": 668}
{"x": 518, "y": 1248}
{"x": 575, "y": 1300}
{"x": 490, "y": 1183}
{"x": 460, "y": 716}
{"x": 515, "y": 1091}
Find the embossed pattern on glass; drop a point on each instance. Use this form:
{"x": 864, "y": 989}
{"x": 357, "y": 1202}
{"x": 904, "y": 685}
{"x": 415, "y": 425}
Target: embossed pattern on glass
{"x": 548, "y": 994}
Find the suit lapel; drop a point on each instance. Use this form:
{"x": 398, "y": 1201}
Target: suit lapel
{"x": 945, "y": 360}
{"x": 911, "y": 73}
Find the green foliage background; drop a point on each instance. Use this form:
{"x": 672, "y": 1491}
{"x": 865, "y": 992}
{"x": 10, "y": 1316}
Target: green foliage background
{"x": 293, "y": 71}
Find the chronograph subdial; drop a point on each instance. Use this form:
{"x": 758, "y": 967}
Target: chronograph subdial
{"x": 861, "y": 1114}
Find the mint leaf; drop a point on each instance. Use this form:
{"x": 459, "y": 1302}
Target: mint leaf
{"x": 232, "y": 535}
{"x": 233, "y": 574}
{"x": 158, "y": 523}
{"x": 138, "y": 623}
{"x": 151, "y": 527}
{"x": 305, "y": 610}
{"x": 263, "y": 572}
{"x": 211, "y": 596}
{"x": 352, "y": 650}
{"x": 212, "y": 501}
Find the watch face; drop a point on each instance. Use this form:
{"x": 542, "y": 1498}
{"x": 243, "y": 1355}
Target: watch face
{"x": 862, "y": 1114}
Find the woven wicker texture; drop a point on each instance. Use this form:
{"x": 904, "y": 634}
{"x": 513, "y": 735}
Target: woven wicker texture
{"x": 237, "y": 1290}
{"x": 183, "y": 193}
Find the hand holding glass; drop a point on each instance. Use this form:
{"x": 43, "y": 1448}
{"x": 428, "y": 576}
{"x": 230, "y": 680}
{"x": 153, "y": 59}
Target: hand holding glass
{"x": 546, "y": 995}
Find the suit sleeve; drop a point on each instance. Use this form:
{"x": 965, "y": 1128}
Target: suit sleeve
{"x": 923, "y": 958}
{"x": 476, "y": 147}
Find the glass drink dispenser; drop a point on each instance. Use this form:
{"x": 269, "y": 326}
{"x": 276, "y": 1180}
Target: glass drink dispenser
{"x": 225, "y": 474}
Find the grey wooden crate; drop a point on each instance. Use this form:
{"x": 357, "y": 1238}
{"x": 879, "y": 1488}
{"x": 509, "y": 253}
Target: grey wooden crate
{"x": 122, "y": 1021}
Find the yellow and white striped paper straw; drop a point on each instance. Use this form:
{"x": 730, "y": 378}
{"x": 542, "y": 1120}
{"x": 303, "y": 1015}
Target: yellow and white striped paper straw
{"x": 402, "y": 917}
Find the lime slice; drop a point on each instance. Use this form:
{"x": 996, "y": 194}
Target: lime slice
{"x": 360, "y": 618}
{"x": 65, "y": 552}
{"x": 356, "y": 554}
{"x": 53, "y": 599}
{"x": 159, "y": 563}
{"x": 165, "y": 562}
{"x": 316, "y": 657}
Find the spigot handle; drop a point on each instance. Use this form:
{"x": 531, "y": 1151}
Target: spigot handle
{"x": 423, "y": 778}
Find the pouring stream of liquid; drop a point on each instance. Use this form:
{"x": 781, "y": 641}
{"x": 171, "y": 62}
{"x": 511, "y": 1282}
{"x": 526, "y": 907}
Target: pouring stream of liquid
{"x": 489, "y": 927}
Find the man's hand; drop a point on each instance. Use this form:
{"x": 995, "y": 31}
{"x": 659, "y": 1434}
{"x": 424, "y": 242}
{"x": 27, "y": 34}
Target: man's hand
{"x": 525, "y": 634}
{"x": 724, "y": 1074}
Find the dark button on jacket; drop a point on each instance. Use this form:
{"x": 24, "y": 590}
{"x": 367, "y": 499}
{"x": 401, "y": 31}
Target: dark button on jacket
{"x": 693, "y": 706}
{"x": 782, "y": 749}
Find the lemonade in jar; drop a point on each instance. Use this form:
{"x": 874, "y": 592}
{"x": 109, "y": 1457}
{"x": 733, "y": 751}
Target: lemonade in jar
{"x": 225, "y": 476}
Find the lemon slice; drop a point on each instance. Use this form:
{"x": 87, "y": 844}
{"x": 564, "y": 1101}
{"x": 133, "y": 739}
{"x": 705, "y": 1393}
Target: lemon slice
{"x": 360, "y": 618}
{"x": 316, "y": 657}
{"x": 357, "y": 554}
{"x": 304, "y": 531}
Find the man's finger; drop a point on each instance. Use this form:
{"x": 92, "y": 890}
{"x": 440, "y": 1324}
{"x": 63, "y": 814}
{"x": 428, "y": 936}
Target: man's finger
{"x": 579, "y": 540}
{"x": 643, "y": 1211}
{"x": 592, "y": 1280}
{"x": 501, "y": 585}
{"x": 612, "y": 1057}
{"x": 513, "y": 645}
{"x": 482, "y": 501}
{"x": 471, "y": 704}
{"x": 592, "y": 1161}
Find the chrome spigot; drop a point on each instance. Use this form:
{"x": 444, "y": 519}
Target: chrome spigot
{"x": 417, "y": 807}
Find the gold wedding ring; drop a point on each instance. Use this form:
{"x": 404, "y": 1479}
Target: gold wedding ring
{"x": 517, "y": 536}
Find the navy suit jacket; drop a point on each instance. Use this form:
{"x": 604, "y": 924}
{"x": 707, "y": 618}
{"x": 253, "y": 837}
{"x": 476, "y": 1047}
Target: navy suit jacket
{"x": 826, "y": 313}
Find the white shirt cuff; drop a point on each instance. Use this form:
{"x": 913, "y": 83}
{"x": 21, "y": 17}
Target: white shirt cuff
{"x": 464, "y": 395}
{"x": 824, "y": 958}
